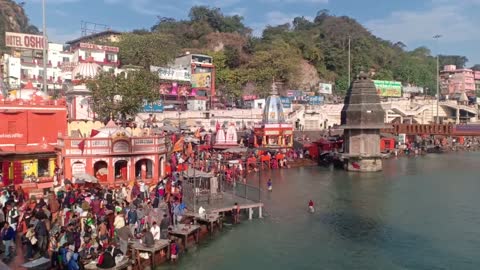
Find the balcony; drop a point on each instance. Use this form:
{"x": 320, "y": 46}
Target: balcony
{"x": 105, "y": 62}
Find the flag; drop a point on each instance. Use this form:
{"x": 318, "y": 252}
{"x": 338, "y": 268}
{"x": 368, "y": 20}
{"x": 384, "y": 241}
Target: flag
{"x": 178, "y": 147}
{"x": 81, "y": 146}
{"x": 94, "y": 132}
{"x": 189, "y": 149}
{"x": 197, "y": 133}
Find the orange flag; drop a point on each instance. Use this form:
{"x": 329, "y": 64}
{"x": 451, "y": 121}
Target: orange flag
{"x": 178, "y": 147}
{"x": 189, "y": 149}
{"x": 197, "y": 134}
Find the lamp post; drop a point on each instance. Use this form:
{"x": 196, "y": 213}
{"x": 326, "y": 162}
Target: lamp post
{"x": 45, "y": 44}
{"x": 437, "y": 120}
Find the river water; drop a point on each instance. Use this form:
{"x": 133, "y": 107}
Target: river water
{"x": 419, "y": 213}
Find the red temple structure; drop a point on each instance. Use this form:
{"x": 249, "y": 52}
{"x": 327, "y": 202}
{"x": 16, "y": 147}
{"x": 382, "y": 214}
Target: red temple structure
{"x": 28, "y": 154}
{"x": 273, "y": 132}
{"x": 114, "y": 156}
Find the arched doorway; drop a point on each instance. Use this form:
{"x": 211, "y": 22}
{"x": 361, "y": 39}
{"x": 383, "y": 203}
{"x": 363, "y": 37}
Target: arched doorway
{"x": 121, "y": 170}
{"x": 161, "y": 167}
{"x": 144, "y": 169}
{"x": 100, "y": 170}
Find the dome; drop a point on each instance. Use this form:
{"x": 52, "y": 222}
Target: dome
{"x": 111, "y": 129}
{"x": 86, "y": 70}
{"x": 273, "y": 111}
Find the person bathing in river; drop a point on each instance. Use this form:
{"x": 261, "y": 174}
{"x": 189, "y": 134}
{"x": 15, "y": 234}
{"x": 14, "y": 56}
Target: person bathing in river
{"x": 269, "y": 185}
{"x": 311, "y": 206}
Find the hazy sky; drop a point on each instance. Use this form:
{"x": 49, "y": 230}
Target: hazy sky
{"x": 414, "y": 22}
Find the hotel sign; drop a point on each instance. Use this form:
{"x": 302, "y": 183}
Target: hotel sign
{"x": 25, "y": 41}
{"x": 96, "y": 47}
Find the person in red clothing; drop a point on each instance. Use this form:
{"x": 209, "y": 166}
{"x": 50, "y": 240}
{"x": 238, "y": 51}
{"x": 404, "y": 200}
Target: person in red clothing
{"x": 311, "y": 206}
{"x": 173, "y": 251}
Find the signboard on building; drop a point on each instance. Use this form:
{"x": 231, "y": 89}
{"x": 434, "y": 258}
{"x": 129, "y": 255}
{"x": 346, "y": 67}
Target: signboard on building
{"x": 315, "y": 100}
{"x": 249, "y": 97}
{"x": 325, "y": 88}
{"x": 201, "y": 80}
{"x": 413, "y": 89}
{"x": 294, "y": 93}
{"x": 25, "y": 41}
{"x": 89, "y": 46}
{"x": 388, "y": 88}
{"x": 286, "y": 102}
{"x": 154, "y": 107}
{"x": 171, "y": 74}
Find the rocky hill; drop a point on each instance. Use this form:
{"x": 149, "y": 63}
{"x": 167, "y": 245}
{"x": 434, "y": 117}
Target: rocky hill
{"x": 13, "y": 19}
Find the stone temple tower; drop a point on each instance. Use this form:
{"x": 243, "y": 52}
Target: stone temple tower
{"x": 362, "y": 118}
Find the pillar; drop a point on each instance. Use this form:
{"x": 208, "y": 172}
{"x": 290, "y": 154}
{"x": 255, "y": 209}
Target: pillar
{"x": 260, "y": 212}
{"x": 457, "y": 121}
{"x": 250, "y": 213}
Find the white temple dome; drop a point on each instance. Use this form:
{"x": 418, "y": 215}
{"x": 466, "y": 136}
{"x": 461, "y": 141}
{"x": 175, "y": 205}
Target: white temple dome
{"x": 273, "y": 110}
{"x": 87, "y": 69}
{"x": 111, "y": 129}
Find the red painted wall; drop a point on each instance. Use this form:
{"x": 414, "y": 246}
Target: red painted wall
{"x": 13, "y": 127}
{"x": 30, "y": 125}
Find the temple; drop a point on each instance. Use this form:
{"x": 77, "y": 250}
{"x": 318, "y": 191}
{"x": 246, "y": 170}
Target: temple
{"x": 114, "y": 156}
{"x": 273, "y": 132}
{"x": 362, "y": 118}
{"x": 226, "y": 138}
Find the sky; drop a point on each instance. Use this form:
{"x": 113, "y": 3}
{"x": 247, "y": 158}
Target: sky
{"x": 413, "y": 22}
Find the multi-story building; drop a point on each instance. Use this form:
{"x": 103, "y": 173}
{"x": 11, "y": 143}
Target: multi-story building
{"x": 24, "y": 62}
{"x": 202, "y": 72}
{"x": 456, "y": 81}
{"x": 476, "y": 75}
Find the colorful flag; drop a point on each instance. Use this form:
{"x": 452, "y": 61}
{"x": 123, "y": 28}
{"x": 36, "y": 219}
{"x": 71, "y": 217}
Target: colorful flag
{"x": 178, "y": 147}
{"x": 94, "y": 132}
{"x": 197, "y": 133}
{"x": 81, "y": 146}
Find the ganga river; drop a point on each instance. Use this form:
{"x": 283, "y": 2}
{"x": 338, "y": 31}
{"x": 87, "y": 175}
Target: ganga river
{"x": 419, "y": 213}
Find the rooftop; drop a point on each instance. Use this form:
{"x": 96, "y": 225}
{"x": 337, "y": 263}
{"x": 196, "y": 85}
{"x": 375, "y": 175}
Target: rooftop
{"x": 96, "y": 35}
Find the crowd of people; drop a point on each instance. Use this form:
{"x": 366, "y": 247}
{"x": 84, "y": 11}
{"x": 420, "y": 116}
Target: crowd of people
{"x": 75, "y": 225}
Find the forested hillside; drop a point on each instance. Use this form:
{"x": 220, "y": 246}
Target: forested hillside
{"x": 13, "y": 19}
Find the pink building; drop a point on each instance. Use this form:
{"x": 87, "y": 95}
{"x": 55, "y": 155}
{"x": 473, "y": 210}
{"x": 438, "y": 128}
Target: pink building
{"x": 454, "y": 81}
{"x": 476, "y": 75}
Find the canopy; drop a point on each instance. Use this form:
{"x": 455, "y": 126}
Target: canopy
{"x": 82, "y": 178}
{"x": 236, "y": 150}
{"x": 168, "y": 128}
{"x": 190, "y": 173}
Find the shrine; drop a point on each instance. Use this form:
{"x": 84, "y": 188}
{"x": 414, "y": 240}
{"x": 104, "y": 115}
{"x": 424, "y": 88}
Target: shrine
{"x": 362, "y": 119}
{"x": 273, "y": 132}
{"x": 114, "y": 156}
{"x": 226, "y": 138}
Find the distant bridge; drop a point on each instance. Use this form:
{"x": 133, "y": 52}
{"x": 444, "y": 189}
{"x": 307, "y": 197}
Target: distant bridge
{"x": 434, "y": 129}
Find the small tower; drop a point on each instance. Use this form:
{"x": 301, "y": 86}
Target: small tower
{"x": 362, "y": 118}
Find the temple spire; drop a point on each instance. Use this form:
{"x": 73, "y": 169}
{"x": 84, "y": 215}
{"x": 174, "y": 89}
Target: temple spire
{"x": 274, "y": 91}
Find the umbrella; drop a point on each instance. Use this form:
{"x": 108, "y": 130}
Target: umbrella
{"x": 84, "y": 177}
{"x": 169, "y": 128}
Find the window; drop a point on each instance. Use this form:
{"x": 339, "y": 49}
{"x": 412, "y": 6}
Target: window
{"x": 65, "y": 60}
{"x": 88, "y": 54}
{"x": 43, "y": 168}
{"x": 40, "y": 73}
{"x": 111, "y": 57}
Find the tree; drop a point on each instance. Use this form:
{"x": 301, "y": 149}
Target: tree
{"x": 476, "y": 67}
{"x": 456, "y": 60}
{"x": 147, "y": 49}
{"x": 122, "y": 94}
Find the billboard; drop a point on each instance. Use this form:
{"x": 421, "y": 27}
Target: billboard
{"x": 413, "y": 89}
{"x": 201, "y": 80}
{"x": 152, "y": 107}
{"x": 25, "y": 41}
{"x": 388, "y": 88}
{"x": 315, "y": 100}
{"x": 325, "y": 88}
{"x": 286, "y": 102}
{"x": 171, "y": 74}
{"x": 96, "y": 47}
